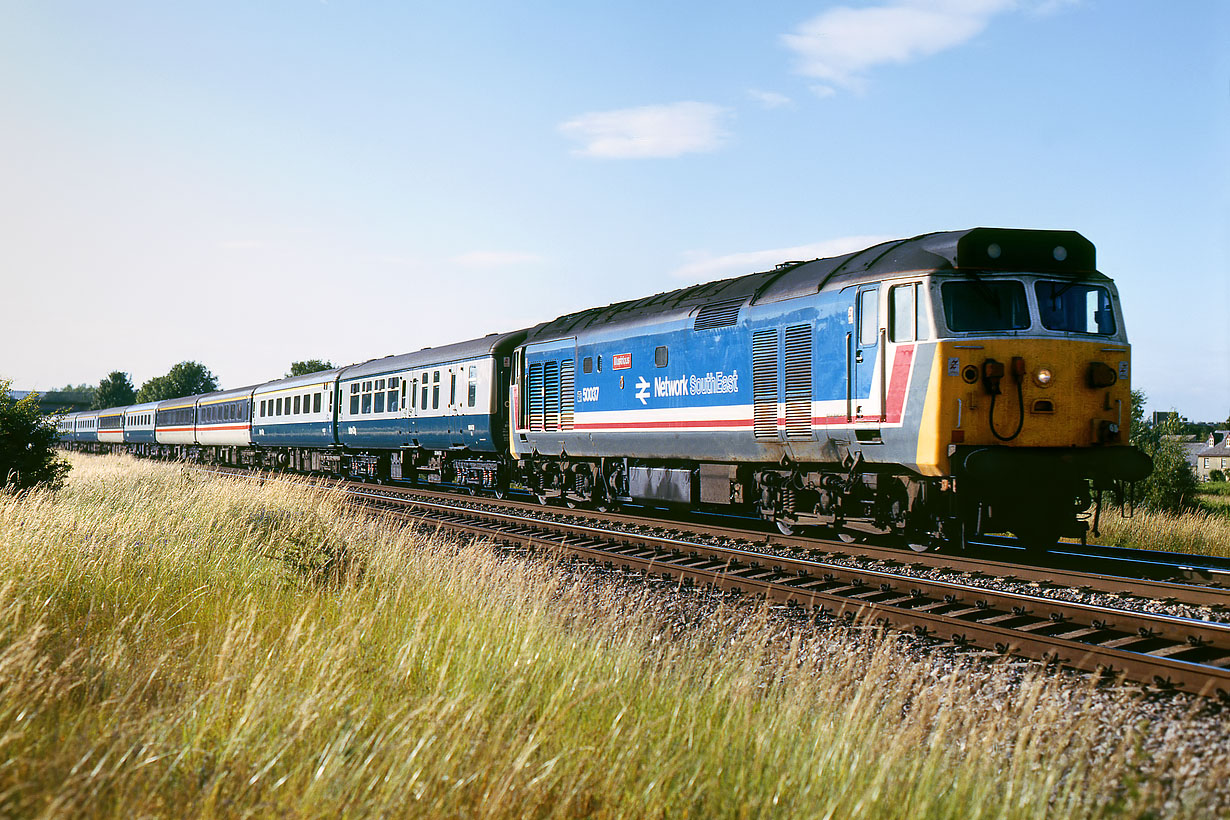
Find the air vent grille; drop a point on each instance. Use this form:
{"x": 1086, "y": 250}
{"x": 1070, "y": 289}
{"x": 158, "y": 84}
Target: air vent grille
{"x": 798, "y": 382}
{"x": 567, "y": 393}
{"x": 536, "y": 396}
{"x": 718, "y": 314}
{"x": 764, "y": 383}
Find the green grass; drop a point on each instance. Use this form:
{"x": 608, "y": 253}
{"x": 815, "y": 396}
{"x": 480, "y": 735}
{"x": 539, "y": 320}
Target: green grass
{"x": 179, "y": 645}
{"x": 1215, "y": 488}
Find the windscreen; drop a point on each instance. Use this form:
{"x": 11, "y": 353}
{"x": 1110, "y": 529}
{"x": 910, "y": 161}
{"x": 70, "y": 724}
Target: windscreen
{"x": 1075, "y": 308}
{"x": 978, "y": 305}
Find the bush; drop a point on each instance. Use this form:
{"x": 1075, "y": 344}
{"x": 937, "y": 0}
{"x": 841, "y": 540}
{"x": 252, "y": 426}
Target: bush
{"x": 1217, "y": 475}
{"x": 27, "y": 445}
{"x": 1172, "y": 486}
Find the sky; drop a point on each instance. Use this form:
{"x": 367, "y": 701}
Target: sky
{"x": 246, "y": 184}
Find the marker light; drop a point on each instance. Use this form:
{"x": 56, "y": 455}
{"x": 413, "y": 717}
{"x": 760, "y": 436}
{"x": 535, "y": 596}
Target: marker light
{"x": 1060, "y": 253}
{"x": 993, "y": 250}
{"x": 1043, "y": 377}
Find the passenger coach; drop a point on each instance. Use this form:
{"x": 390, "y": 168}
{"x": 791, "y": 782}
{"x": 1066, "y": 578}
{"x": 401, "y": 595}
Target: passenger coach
{"x": 437, "y": 415}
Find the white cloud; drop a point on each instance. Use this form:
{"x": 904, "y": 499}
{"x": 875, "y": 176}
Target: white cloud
{"x": 494, "y": 259}
{"x": 648, "y": 132}
{"x": 842, "y": 44}
{"x": 769, "y": 99}
{"x": 702, "y": 267}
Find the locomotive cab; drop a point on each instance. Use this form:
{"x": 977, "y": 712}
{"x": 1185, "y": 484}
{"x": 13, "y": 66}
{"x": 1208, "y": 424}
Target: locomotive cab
{"x": 1029, "y": 406}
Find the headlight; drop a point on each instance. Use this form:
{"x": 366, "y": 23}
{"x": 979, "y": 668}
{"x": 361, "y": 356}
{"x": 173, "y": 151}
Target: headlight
{"x": 1043, "y": 377}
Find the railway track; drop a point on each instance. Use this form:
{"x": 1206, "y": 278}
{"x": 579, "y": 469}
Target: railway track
{"x": 1165, "y": 651}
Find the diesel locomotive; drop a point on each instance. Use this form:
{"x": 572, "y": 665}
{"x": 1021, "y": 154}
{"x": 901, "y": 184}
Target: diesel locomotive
{"x": 934, "y": 389}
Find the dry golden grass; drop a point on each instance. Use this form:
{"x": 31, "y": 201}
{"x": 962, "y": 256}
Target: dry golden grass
{"x": 178, "y": 645}
{"x": 1200, "y": 533}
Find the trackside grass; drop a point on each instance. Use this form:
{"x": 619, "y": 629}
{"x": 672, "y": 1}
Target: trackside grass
{"x": 1200, "y": 532}
{"x": 179, "y": 645}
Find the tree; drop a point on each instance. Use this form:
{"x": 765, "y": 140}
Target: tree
{"x": 309, "y": 366}
{"x": 114, "y": 391}
{"x": 1139, "y": 431}
{"x": 86, "y": 391}
{"x": 1172, "y": 485}
{"x": 184, "y": 379}
{"x": 27, "y": 444}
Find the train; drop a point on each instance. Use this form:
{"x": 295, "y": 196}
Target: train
{"x": 932, "y": 390}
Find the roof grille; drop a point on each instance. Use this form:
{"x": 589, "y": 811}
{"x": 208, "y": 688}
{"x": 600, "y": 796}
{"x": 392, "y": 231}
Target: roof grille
{"x": 718, "y": 314}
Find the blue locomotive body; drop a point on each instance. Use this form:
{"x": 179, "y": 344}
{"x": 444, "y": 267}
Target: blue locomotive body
{"x": 792, "y": 368}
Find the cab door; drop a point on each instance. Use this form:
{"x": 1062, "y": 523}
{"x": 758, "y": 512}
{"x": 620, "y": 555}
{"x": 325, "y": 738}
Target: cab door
{"x": 865, "y": 396}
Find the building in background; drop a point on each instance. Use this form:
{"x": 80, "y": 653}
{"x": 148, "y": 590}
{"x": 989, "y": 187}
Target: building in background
{"x": 1215, "y": 455}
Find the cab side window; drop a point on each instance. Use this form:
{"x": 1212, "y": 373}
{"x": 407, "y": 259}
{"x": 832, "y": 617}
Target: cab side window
{"x": 907, "y": 316}
{"x": 869, "y": 319}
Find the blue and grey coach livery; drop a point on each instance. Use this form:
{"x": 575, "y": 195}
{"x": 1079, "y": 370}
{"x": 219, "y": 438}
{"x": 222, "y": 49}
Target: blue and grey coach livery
{"x": 437, "y": 415}
{"x": 293, "y": 422}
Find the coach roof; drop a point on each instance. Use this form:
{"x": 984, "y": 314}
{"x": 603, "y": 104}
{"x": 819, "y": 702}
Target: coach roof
{"x": 975, "y": 250}
{"x": 432, "y": 356}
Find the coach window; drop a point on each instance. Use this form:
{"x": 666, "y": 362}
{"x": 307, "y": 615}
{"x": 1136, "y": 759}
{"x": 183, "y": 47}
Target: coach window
{"x": 452, "y": 389}
{"x": 423, "y": 402}
{"x": 660, "y": 356}
{"x": 278, "y": 410}
{"x": 354, "y": 399}
{"x": 297, "y": 405}
{"x": 392, "y": 402}
{"x": 378, "y": 401}
{"x": 367, "y": 398}
{"x": 473, "y": 385}
{"x": 316, "y": 403}
{"x": 307, "y": 401}
{"x": 435, "y": 390}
